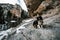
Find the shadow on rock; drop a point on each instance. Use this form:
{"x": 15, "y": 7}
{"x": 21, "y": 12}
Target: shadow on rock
{"x": 47, "y": 26}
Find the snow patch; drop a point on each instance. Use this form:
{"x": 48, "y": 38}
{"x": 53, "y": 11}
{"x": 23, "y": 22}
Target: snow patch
{"x": 29, "y": 20}
{"x": 23, "y": 26}
{"x": 13, "y": 21}
{"x": 9, "y": 1}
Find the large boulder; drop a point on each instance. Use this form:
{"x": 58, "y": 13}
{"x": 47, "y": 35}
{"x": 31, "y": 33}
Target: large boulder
{"x": 6, "y": 13}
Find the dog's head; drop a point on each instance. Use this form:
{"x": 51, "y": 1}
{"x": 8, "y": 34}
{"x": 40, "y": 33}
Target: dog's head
{"x": 39, "y": 18}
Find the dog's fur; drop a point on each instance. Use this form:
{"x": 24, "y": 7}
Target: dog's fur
{"x": 37, "y": 22}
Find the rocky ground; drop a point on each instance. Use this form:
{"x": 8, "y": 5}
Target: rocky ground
{"x": 25, "y": 30}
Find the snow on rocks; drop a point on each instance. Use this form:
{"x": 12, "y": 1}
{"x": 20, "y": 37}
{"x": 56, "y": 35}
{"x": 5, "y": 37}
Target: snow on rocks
{"x": 26, "y": 22}
{"x": 4, "y": 34}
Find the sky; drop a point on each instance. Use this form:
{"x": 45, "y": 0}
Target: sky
{"x": 8, "y": 1}
{"x": 20, "y": 2}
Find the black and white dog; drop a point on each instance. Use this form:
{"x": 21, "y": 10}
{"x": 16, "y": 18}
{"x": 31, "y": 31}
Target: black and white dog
{"x": 38, "y": 23}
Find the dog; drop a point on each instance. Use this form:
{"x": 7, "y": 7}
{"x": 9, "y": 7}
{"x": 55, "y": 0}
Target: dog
{"x": 38, "y": 23}
{"x": 35, "y": 23}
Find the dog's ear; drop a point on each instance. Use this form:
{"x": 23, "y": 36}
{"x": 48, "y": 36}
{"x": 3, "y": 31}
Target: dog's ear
{"x": 39, "y": 18}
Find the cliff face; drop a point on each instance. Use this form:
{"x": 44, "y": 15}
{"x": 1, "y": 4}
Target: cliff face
{"x": 32, "y": 5}
{"x": 40, "y": 6}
